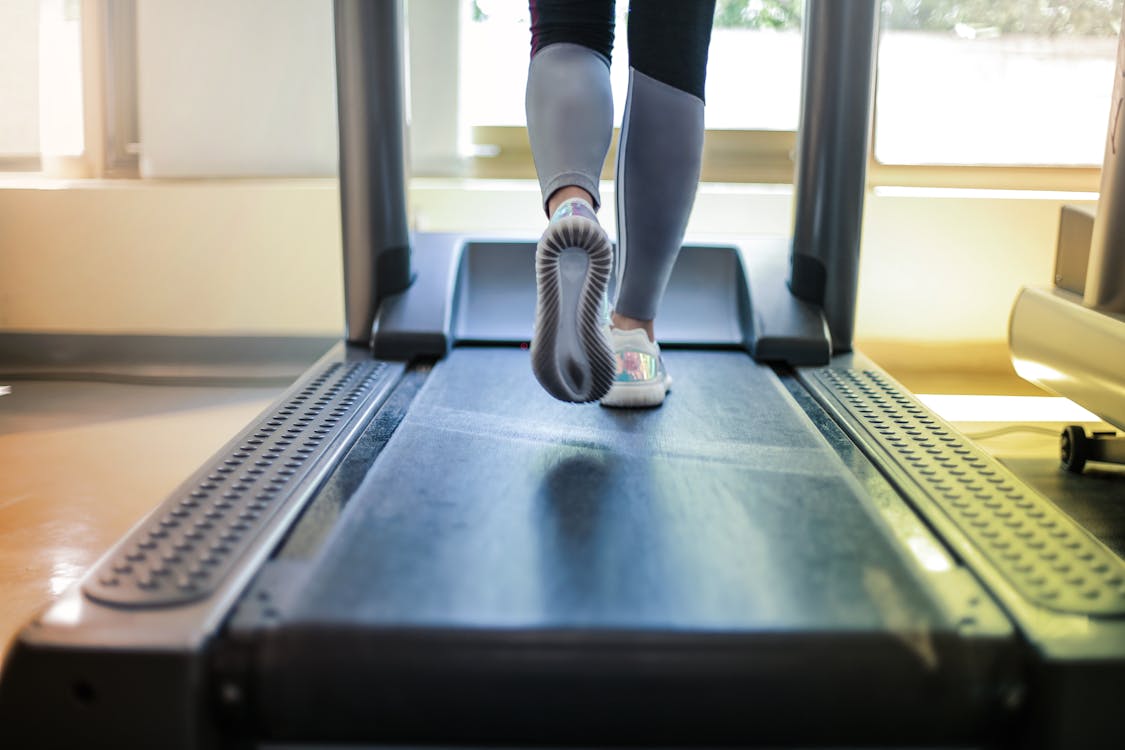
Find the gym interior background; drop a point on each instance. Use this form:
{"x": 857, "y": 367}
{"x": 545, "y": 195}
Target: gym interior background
{"x": 168, "y": 169}
{"x": 226, "y": 151}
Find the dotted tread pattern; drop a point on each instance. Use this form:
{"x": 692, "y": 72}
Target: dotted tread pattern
{"x": 572, "y": 232}
{"x": 183, "y": 551}
{"x": 1047, "y": 557}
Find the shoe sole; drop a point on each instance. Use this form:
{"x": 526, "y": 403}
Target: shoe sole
{"x": 635, "y": 395}
{"x": 570, "y": 355}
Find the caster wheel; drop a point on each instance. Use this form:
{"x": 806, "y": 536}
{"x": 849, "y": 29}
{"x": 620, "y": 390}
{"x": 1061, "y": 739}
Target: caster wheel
{"x": 1073, "y": 448}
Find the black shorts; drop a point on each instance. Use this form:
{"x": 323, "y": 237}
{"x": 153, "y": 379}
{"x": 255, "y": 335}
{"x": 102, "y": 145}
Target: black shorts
{"x": 668, "y": 39}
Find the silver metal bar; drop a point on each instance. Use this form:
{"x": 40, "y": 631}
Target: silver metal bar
{"x": 1105, "y": 274}
{"x": 1109, "y": 448}
{"x": 837, "y": 96}
{"x": 369, "y": 80}
{"x": 1070, "y": 349}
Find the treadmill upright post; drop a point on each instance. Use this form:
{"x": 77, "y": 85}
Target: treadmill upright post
{"x": 1105, "y": 271}
{"x": 369, "y": 85}
{"x": 837, "y": 97}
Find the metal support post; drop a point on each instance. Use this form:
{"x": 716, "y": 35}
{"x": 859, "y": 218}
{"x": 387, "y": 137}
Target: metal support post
{"x": 1105, "y": 272}
{"x": 369, "y": 80}
{"x": 837, "y": 98}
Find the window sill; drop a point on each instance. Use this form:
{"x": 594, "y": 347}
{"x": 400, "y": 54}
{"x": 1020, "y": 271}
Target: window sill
{"x": 765, "y": 156}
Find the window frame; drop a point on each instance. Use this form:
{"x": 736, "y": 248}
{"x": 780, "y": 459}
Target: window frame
{"x": 109, "y": 100}
{"x": 116, "y": 49}
{"x": 768, "y": 157}
{"x": 487, "y": 152}
{"x": 18, "y": 163}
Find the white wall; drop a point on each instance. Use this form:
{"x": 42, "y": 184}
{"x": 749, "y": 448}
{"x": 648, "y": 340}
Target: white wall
{"x": 945, "y": 266}
{"x": 243, "y": 88}
{"x": 248, "y": 89}
{"x": 264, "y": 255}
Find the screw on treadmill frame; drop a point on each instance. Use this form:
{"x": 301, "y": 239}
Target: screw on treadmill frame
{"x": 230, "y": 693}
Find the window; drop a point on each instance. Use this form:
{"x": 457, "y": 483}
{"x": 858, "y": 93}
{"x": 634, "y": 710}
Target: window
{"x": 754, "y": 65}
{"x": 19, "y": 84}
{"x": 749, "y": 39}
{"x": 970, "y": 93}
{"x": 977, "y": 93}
{"x": 995, "y": 81}
{"x": 61, "y": 120}
{"x": 236, "y": 89}
{"x": 751, "y": 114}
{"x": 67, "y": 87}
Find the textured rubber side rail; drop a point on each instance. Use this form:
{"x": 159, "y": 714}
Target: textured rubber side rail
{"x": 188, "y": 545}
{"x": 1047, "y": 557}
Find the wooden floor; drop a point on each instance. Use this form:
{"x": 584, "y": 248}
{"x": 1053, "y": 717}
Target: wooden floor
{"x": 80, "y": 463}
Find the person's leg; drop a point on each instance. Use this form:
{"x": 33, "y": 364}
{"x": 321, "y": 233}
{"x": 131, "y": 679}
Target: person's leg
{"x": 660, "y": 149}
{"x": 658, "y": 161}
{"x": 569, "y": 101}
{"x": 570, "y": 124}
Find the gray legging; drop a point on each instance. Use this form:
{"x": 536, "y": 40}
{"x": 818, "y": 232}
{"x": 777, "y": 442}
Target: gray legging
{"x": 570, "y": 125}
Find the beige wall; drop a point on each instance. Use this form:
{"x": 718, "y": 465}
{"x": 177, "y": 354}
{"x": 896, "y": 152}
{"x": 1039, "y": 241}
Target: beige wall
{"x": 263, "y": 256}
{"x": 239, "y": 256}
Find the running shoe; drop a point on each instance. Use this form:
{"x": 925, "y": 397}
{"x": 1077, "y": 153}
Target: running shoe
{"x": 641, "y": 379}
{"x": 570, "y": 354}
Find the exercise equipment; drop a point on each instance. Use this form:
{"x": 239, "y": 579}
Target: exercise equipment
{"x": 422, "y": 547}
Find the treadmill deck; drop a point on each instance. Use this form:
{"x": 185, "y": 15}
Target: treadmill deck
{"x": 495, "y": 506}
{"x": 651, "y": 575}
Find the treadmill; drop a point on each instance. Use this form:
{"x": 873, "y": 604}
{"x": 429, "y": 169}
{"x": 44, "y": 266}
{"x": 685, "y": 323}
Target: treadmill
{"x": 415, "y": 545}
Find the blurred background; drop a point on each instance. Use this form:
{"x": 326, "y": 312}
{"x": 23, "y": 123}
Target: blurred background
{"x": 169, "y": 166}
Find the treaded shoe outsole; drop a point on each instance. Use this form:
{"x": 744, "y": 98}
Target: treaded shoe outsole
{"x": 570, "y": 355}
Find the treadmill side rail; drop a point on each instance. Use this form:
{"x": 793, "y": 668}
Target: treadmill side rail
{"x": 1044, "y": 557}
{"x": 199, "y": 534}
{"x": 1063, "y": 589}
{"x": 124, "y": 664}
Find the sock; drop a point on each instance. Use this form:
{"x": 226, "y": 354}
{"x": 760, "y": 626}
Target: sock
{"x": 575, "y": 207}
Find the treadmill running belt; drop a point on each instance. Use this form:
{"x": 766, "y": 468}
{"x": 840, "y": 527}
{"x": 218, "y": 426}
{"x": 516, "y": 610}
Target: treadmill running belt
{"x": 696, "y": 572}
{"x": 495, "y": 505}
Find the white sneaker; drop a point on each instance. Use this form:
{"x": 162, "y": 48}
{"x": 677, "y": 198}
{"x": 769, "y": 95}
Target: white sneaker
{"x": 641, "y": 378}
{"x": 570, "y": 354}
